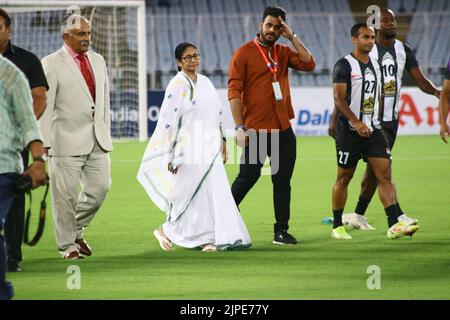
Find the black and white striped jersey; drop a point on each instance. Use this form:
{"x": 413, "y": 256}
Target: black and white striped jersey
{"x": 363, "y": 89}
{"x": 392, "y": 61}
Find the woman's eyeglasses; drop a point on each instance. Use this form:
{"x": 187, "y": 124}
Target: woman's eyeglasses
{"x": 189, "y": 58}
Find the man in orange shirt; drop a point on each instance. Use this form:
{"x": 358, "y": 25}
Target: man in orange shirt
{"x": 259, "y": 95}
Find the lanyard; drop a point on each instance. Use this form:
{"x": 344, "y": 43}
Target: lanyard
{"x": 273, "y": 68}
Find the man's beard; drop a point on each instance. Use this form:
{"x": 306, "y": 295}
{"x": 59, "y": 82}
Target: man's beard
{"x": 389, "y": 36}
{"x": 264, "y": 35}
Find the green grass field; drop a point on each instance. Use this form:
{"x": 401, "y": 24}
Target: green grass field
{"x": 127, "y": 262}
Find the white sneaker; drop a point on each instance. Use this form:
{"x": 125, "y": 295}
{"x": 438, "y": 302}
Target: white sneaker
{"x": 358, "y": 221}
{"x": 407, "y": 220}
{"x": 346, "y": 217}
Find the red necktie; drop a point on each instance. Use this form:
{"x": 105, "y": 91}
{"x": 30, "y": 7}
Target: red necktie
{"x": 87, "y": 75}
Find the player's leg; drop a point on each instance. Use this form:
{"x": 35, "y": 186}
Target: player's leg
{"x": 348, "y": 154}
{"x": 368, "y": 187}
{"x": 390, "y": 133}
{"x": 401, "y": 215}
{"x": 382, "y": 169}
{"x": 357, "y": 219}
{"x": 339, "y": 198}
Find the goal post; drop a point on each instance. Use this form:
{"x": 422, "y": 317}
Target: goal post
{"x": 118, "y": 34}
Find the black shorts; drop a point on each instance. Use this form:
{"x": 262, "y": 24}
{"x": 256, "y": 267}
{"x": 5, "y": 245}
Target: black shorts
{"x": 390, "y": 132}
{"x": 351, "y": 147}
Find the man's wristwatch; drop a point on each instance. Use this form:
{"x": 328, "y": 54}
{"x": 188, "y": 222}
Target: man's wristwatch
{"x": 43, "y": 158}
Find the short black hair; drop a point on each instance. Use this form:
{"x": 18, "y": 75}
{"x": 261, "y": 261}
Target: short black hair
{"x": 6, "y": 17}
{"x": 274, "y": 11}
{"x": 179, "y": 50}
{"x": 356, "y": 27}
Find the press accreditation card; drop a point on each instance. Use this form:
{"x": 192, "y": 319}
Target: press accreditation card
{"x": 277, "y": 91}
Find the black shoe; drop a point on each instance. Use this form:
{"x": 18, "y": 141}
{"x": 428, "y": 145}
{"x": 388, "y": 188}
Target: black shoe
{"x": 282, "y": 237}
{"x": 14, "y": 266}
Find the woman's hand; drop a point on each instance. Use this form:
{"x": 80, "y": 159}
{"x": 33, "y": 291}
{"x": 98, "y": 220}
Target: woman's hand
{"x": 224, "y": 152}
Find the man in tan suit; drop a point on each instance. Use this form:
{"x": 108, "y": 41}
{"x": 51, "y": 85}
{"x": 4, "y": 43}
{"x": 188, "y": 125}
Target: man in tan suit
{"x": 76, "y": 131}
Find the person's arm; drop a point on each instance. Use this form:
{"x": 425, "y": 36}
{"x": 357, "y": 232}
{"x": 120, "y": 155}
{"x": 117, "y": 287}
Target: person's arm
{"x": 45, "y": 120}
{"x": 444, "y": 108}
{"x": 107, "y": 107}
{"x": 224, "y": 145}
{"x": 333, "y": 122}
{"x": 168, "y": 119}
{"x": 236, "y": 111}
{"x": 235, "y": 88}
{"x": 38, "y": 84}
{"x": 37, "y": 169}
{"x": 302, "y": 51}
{"x": 412, "y": 65}
{"x": 39, "y": 101}
{"x": 341, "y": 78}
{"x": 27, "y": 125}
{"x": 339, "y": 91}
{"x": 424, "y": 83}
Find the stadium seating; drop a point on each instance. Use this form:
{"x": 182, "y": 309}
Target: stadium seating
{"x": 219, "y": 27}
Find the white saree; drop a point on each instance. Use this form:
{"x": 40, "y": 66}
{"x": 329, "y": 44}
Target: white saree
{"x": 197, "y": 199}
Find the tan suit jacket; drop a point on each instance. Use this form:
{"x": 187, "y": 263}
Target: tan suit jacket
{"x": 68, "y": 125}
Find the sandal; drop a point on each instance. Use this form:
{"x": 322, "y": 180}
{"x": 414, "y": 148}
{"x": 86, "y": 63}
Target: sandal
{"x": 209, "y": 248}
{"x": 164, "y": 242}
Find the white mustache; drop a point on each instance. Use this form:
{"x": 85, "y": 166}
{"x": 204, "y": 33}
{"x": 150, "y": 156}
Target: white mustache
{"x": 85, "y": 43}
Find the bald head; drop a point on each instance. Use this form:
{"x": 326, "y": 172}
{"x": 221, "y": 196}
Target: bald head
{"x": 388, "y": 24}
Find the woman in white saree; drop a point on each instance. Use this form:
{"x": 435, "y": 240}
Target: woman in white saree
{"x": 182, "y": 169}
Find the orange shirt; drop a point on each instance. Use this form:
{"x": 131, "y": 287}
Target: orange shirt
{"x": 251, "y": 81}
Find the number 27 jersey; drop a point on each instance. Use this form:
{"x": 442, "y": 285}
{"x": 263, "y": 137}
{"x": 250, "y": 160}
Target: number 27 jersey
{"x": 363, "y": 89}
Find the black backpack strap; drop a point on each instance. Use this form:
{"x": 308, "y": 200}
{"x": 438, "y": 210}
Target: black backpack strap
{"x": 41, "y": 224}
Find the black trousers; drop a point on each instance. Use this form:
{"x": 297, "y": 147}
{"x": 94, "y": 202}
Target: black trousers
{"x": 15, "y": 221}
{"x": 281, "y": 148}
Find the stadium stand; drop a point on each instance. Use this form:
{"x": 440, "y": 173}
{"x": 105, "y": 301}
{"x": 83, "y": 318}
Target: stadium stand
{"x": 220, "y": 27}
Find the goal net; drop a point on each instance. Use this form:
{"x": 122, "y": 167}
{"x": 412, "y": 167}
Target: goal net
{"x": 118, "y": 34}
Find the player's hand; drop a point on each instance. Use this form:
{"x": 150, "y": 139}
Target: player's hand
{"x": 37, "y": 174}
{"x": 437, "y": 93}
{"x": 287, "y": 31}
{"x": 241, "y": 138}
{"x": 363, "y": 130}
{"x": 171, "y": 168}
{"x": 332, "y": 130}
{"x": 224, "y": 152}
{"x": 444, "y": 131}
